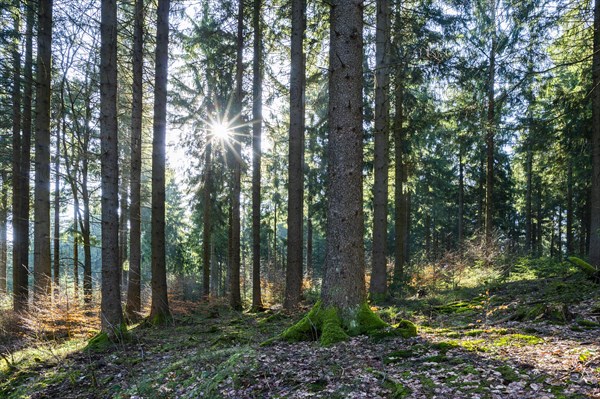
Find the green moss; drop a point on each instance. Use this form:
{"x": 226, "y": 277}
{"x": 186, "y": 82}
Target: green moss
{"x": 445, "y": 346}
{"x": 474, "y": 333}
{"x": 331, "y": 327}
{"x": 398, "y": 356}
{"x": 518, "y": 340}
{"x": 367, "y": 321}
{"x": 435, "y": 359}
{"x": 508, "y": 373}
{"x": 398, "y": 390}
{"x": 588, "y": 323}
{"x": 103, "y": 340}
{"x": 584, "y": 266}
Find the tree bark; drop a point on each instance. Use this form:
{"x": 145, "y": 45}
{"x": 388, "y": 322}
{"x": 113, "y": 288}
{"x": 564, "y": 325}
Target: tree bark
{"x": 461, "y": 194}
{"x": 594, "y": 246}
{"x": 20, "y": 268}
{"x": 159, "y": 312}
{"x": 378, "y": 285}
{"x": 134, "y": 302}
{"x": 3, "y": 232}
{"x": 42, "y": 272}
{"x": 235, "y": 299}
{"x": 400, "y": 197}
{"x": 344, "y": 281}
{"x": 256, "y": 152}
{"x": 206, "y": 225}
{"x": 56, "y": 240}
{"x": 293, "y": 281}
{"x": 490, "y": 131}
{"x": 528, "y": 213}
{"x": 570, "y": 244}
{"x": 110, "y": 307}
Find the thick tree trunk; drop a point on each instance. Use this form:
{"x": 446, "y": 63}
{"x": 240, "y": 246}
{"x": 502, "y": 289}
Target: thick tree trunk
{"x": 134, "y": 302}
{"x": 206, "y": 225}
{"x": 257, "y": 67}
{"x": 490, "y": 131}
{"x": 344, "y": 281}
{"x": 42, "y": 272}
{"x": 594, "y": 247}
{"x": 20, "y": 269}
{"x": 110, "y": 307}
{"x": 293, "y": 286}
{"x": 159, "y": 312}
{"x": 378, "y": 285}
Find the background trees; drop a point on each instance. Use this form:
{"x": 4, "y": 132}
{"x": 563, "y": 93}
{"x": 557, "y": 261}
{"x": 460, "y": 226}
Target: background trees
{"x": 487, "y": 105}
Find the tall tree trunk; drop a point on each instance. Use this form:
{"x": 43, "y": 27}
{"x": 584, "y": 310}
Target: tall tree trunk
{"x": 123, "y": 228}
{"x": 490, "y": 131}
{"x": 134, "y": 302}
{"x": 42, "y": 272}
{"x": 461, "y": 194}
{"x": 75, "y": 248}
{"x": 3, "y": 232}
{"x": 110, "y": 307}
{"x": 594, "y": 247}
{"x": 293, "y": 283}
{"x": 344, "y": 280}
{"x": 56, "y": 241}
{"x": 528, "y": 213}
{"x": 159, "y": 312}
{"x": 539, "y": 219}
{"x": 570, "y": 244}
{"x": 256, "y": 152}
{"x": 20, "y": 269}
{"x": 206, "y": 225}
{"x": 235, "y": 299}
{"x": 378, "y": 285}
{"x": 400, "y": 209}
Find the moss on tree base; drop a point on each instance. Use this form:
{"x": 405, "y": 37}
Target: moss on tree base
{"x": 329, "y": 325}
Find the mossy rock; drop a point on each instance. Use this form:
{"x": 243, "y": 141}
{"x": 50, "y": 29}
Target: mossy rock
{"x": 329, "y": 326}
{"x": 552, "y": 312}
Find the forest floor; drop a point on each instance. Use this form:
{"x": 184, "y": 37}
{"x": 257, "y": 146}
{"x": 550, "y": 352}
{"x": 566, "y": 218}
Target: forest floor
{"x": 528, "y": 338}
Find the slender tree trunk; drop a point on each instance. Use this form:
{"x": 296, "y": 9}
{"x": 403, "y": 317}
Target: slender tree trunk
{"x": 570, "y": 244}
{"x": 206, "y": 225}
{"x": 594, "y": 247}
{"x": 293, "y": 286}
{"x": 539, "y": 221}
{"x": 75, "y": 247}
{"x": 344, "y": 280}
{"x": 20, "y": 270}
{"x": 123, "y": 228}
{"x": 134, "y": 302}
{"x": 461, "y": 195}
{"x": 490, "y": 132}
{"x": 399, "y": 195}
{"x": 56, "y": 241}
{"x": 159, "y": 312}
{"x": 256, "y": 153}
{"x": 528, "y": 213}
{"x": 111, "y": 312}
{"x": 3, "y": 232}
{"x": 42, "y": 272}
{"x": 378, "y": 285}
{"x": 235, "y": 299}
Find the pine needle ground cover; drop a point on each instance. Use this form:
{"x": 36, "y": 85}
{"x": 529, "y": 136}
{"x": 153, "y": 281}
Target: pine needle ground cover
{"x": 504, "y": 341}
